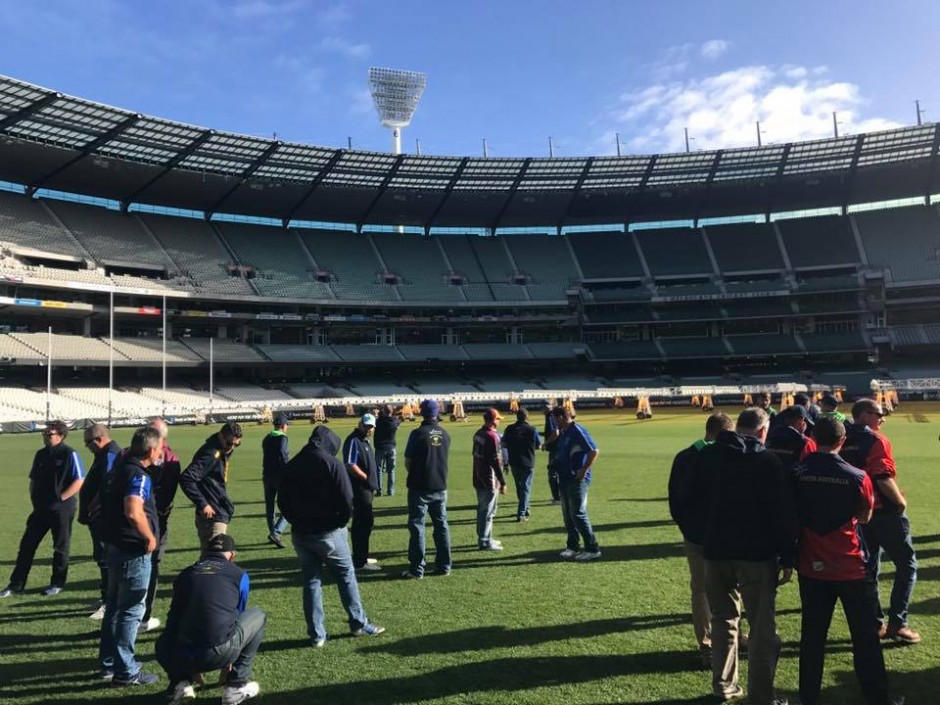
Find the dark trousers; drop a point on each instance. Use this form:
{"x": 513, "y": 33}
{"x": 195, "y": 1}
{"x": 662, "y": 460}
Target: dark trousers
{"x": 99, "y": 554}
{"x": 553, "y": 484}
{"x": 819, "y": 600}
{"x": 277, "y": 525}
{"x": 181, "y": 661}
{"x": 38, "y": 524}
{"x": 155, "y": 559}
{"x": 891, "y": 532}
{"x": 363, "y": 519}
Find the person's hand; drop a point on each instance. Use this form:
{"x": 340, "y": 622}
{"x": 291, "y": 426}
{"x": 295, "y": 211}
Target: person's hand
{"x": 208, "y": 512}
{"x": 784, "y": 576}
{"x": 582, "y": 473}
{"x": 502, "y": 489}
{"x": 902, "y": 505}
{"x": 151, "y": 544}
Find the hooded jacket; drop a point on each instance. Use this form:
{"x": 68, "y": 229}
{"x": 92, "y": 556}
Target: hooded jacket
{"x": 203, "y": 480}
{"x": 316, "y": 495}
{"x": 748, "y": 501}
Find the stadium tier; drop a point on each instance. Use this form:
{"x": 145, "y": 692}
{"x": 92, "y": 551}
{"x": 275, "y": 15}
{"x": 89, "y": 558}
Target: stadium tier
{"x": 671, "y": 253}
{"x": 745, "y": 247}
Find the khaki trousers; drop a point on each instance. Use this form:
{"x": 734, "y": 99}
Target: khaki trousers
{"x": 757, "y": 584}
{"x": 701, "y": 614}
{"x": 206, "y": 529}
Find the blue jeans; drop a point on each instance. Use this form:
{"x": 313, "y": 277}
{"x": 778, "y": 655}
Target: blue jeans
{"x": 892, "y": 532}
{"x": 385, "y": 462}
{"x": 435, "y": 504}
{"x": 275, "y": 527}
{"x": 486, "y": 510}
{"x": 128, "y": 579}
{"x": 330, "y": 548}
{"x": 574, "y": 498}
{"x": 523, "y": 478}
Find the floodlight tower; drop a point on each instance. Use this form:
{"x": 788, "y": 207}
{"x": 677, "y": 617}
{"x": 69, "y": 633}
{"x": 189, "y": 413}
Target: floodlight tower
{"x": 396, "y": 94}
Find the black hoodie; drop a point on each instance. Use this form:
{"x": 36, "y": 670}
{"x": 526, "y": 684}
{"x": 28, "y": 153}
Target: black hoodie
{"x": 748, "y": 498}
{"x": 316, "y": 495}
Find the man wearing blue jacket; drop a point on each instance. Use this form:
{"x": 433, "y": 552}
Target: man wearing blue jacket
{"x": 575, "y": 453}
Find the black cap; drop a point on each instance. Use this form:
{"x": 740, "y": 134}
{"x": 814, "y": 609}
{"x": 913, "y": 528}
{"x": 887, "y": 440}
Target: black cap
{"x": 796, "y": 411}
{"x": 281, "y": 420}
{"x": 829, "y": 400}
{"x": 221, "y": 543}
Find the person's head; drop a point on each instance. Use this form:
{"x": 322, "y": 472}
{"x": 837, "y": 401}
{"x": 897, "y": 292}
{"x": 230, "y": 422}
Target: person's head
{"x": 829, "y": 434}
{"x": 796, "y": 417}
{"x": 801, "y": 399}
{"x": 715, "y": 424}
{"x": 281, "y": 422}
{"x": 54, "y": 433}
{"x": 522, "y": 414}
{"x": 146, "y": 446}
{"x": 367, "y": 424}
{"x": 97, "y": 436}
{"x": 753, "y": 422}
{"x": 491, "y": 418}
{"x": 230, "y": 436}
{"x": 764, "y": 400}
{"x": 828, "y": 402}
{"x": 325, "y": 440}
{"x": 159, "y": 423}
{"x": 868, "y": 412}
{"x": 224, "y": 545}
{"x": 562, "y": 417}
{"x": 430, "y": 410}
{"x": 388, "y": 410}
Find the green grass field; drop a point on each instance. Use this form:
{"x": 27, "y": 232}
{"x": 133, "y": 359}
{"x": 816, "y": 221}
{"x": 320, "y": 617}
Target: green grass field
{"x": 519, "y": 626}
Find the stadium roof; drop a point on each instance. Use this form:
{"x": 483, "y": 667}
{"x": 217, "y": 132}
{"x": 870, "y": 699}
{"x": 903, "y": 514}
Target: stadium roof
{"x": 50, "y": 140}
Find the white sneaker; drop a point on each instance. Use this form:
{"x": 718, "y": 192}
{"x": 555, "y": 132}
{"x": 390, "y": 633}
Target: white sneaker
{"x": 588, "y": 556}
{"x": 98, "y": 614}
{"x": 369, "y": 568}
{"x": 183, "y": 691}
{"x": 233, "y": 695}
{"x": 371, "y": 561}
{"x": 149, "y": 625}
{"x": 568, "y": 554}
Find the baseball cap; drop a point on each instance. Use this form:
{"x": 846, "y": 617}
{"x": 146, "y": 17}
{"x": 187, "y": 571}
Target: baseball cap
{"x": 829, "y": 400}
{"x": 430, "y": 409}
{"x": 796, "y": 411}
{"x": 281, "y": 420}
{"x": 367, "y": 420}
{"x": 221, "y": 543}
{"x": 491, "y": 415}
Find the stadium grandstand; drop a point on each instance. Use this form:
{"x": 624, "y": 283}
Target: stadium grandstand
{"x": 210, "y": 270}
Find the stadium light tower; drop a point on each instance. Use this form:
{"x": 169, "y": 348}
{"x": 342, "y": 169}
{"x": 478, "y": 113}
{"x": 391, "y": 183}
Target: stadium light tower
{"x": 396, "y": 94}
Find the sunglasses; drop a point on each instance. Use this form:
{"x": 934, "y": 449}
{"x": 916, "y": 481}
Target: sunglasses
{"x": 47, "y": 434}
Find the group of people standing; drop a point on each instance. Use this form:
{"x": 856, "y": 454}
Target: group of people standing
{"x": 772, "y": 493}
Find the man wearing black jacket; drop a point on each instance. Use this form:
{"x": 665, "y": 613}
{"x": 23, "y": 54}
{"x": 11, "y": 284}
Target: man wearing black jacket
{"x": 750, "y": 538}
{"x": 521, "y": 440}
{"x": 204, "y": 480}
{"x": 316, "y": 497}
{"x": 275, "y": 452}
{"x": 386, "y": 426}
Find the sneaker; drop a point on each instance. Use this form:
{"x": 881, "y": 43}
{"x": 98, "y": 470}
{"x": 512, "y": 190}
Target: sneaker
{"x": 368, "y": 630}
{"x": 737, "y": 692}
{"x": 183, "y": 691}
{"x": 52, "y": 590}
{"x": 319, "y": 643}
{"x": 369, "y": 568}
{"x": 276, "y": 540}
{"x": 371, "y": 561}
{"x": 493, "y": 546}
{"x": 588, "y": 555}
{"x": 780, "y": 701}
{"x": 98, "y": 614}
{"x": 150, "y": 625}
{"x": 235, "y": 694}
{"x": 903, "y": 635}
{"x": 443, "y": 572}
{"x": 555, "y": 502}
{"x": 408, "y": 575}
{"x": 378, "y": 493}
{"x": 106, "y": 674}
{"x": 568, "y": 554}
{"x": 139, "y": 678}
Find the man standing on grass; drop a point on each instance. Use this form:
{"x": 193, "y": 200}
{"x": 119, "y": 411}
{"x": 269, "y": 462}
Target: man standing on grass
{"x": 55, "y": 479}
{"x": 488, "y": 478}
{"x": 750, "y": 537}
{"x": 786, "y": 438}
{"x": 317, "y": 499}
{"x": 204, "y": 481}
{"x": 575, "y": 453}
{"x": 131, "y": 532}
{"x": 275, "y": 453}
{"x": 426, "y": 459}
{"x": 521, "y": 440}
{"x": 165, "y": 474}
{"x": 386, "y": 426}
{"x": 106, "y": 453}
{"x": 834, "y": 499}
{"x": 551, "y": 443}
{"x": 830, "y": 407}
{"x": 691, "y": 518}
{"x": 889, "y": 529}
{"x": 360, "y": 463}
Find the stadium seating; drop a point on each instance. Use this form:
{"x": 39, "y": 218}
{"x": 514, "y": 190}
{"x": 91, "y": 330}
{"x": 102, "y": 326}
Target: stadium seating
{"x": 368, "y": 353}
{"x": 10, "y": 347}
{"x": 178, "y": 396}
{"x": 824, "y": 241}
{"x": 932, "y": 333}
{"x": 677, "y": 348}
{"x": 554, "y": 351}
{"x": 418, "y": 261}
{"x": 223, "y": 350}
{"x": 298, "y": 353}
{"x": 917, "y": 227}
{"x": 908, "y": 336}
{"x": 251, "y": 393}
{"x": 151, "y": 350}
{"x": 496, "y": 351}
{"x": 673, "y": 252}
{"x": 352, "y": 261}
{"x": 422, "y": 352}
{"x": 547, "y": 261}
{"x": 770, "y": 344}
{"x": 606, "y": 255}
{"x": 626, "y": 350}
{"x": 834, "y": 342}
{"x": 745, "y": 247}
{"x": 24, "y": 222}
{"x": 65, "y": 347}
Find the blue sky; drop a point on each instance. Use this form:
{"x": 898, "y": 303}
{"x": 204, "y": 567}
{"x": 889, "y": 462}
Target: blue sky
{"x": 515, "y": 71}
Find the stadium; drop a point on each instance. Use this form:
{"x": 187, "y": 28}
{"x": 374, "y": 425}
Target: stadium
{"x": 151, "y": 267}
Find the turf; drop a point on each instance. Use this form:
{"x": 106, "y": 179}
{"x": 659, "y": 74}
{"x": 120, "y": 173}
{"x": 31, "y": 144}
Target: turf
{"x": 519, "y": 626}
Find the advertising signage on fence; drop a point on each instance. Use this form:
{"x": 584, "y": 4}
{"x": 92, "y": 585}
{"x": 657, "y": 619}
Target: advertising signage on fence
{"x": 28, "y": 302}
{"x": 55, "y": 304}
{"x": 219, "y": 314}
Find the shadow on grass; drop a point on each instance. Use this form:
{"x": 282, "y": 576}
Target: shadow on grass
{"x": 918, "y": 687}
{"x": 930, "y": 538}
{"x": 616, "y": 526}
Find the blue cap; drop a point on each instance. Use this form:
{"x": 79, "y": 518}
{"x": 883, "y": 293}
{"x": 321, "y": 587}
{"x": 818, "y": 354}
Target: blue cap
{"x": 430, "y": 409}
{"x": 367, "y": 420}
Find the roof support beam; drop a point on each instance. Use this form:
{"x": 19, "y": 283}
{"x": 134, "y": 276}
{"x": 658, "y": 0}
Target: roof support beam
{"x": 364, "y": 216}
{"x": 23, "y": 113}
{"x": 648, "y": 172}
{"x": 168, "y": 166}
{"x": 934, "y": 163}
{"x": 512, "y": 193}
{"x": 243, "y": 177}
{"x": 574, "y": 194}
{"x": 100, "y": 141}
{"x": 853, "y": 169}
{"x": 314, "y": 185}
{"x": 429, "y": 223}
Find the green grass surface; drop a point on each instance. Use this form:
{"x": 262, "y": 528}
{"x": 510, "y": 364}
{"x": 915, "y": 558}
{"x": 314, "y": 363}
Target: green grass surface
{"x": 519, "y": 626}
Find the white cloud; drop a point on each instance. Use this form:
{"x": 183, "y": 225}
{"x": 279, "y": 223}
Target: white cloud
{"x": 333, "y": 16}
{"x": 792, "y": 103}
{"x": 350, "y": 50}
{"x": 714, "y": 48}
{"x": 360, "y": 102}
{"x": 265, "y": 9}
